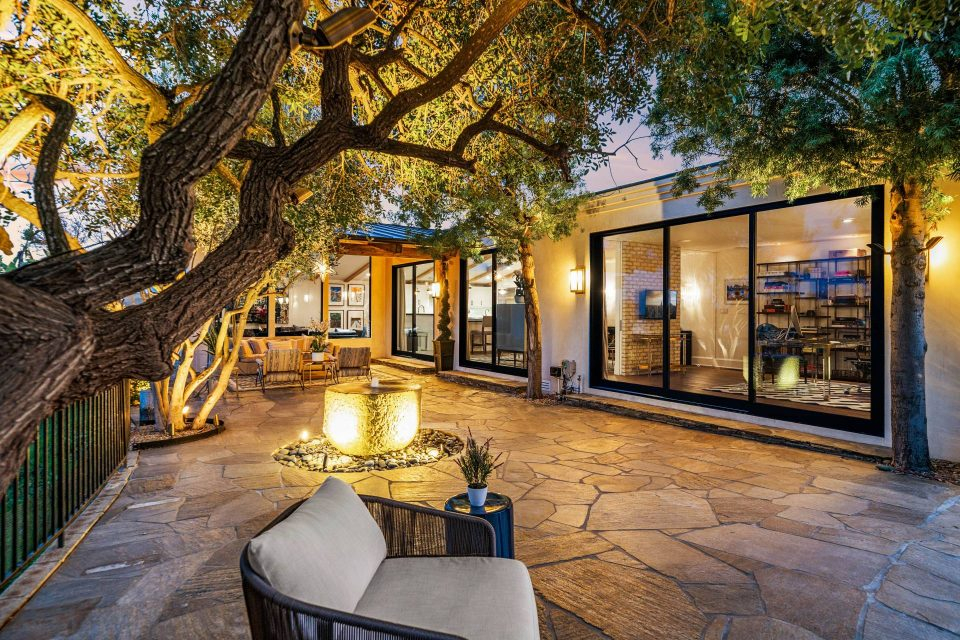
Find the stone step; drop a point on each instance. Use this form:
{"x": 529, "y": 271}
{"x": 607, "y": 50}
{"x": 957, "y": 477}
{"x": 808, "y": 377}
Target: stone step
{"x": 411, "y": 365}
{"x": 488, "y": 383}
{"x": 735, "y": 428}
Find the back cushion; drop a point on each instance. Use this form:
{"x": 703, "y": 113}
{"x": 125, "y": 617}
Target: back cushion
{"x": 257, "y": 346}
{"x": 245, "y": 350}
{"x": 282, "y": 344}
{"x": 326, "y": 552}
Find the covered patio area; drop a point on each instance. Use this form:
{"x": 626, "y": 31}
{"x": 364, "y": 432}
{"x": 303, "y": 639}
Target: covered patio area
{"x": 631, "y": 529}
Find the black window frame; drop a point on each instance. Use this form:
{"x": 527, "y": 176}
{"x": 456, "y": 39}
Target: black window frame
{"x": 875, "y": 425}
{"x": 464, "y": 330}
{"x": 397, "y": 290}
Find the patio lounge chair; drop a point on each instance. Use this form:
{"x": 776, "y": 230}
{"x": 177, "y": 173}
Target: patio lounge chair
{"x": 354, "y": 361}
{"x": 338, "y": 566}
{"x": 282, "y": 365}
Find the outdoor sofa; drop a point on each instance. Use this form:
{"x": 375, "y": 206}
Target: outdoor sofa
{"x": 339, "y": 566}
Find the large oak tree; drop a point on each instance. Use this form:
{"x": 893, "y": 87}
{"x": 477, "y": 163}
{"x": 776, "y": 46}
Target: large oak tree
{"x": 427, "y": 82}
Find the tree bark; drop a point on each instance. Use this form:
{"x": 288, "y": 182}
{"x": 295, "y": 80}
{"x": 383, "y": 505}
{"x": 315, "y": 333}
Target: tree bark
{"x": 908, "y": 345}
{"x": 45, "y": 178}
{"x": 531, "y": 303}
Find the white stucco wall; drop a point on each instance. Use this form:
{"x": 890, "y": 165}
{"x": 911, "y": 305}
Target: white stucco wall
{"x": 566, "y": 317}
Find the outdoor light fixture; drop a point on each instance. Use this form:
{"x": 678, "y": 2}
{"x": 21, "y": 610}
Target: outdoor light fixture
{"x": 364, "y": 420}
{"x": 435, "y": 290}
{"x": 341, "y": 26}
{"x": 578, "y": 278}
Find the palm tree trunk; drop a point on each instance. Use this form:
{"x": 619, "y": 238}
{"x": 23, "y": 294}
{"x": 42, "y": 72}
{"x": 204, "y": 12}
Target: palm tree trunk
{"x": 908, "y": 345}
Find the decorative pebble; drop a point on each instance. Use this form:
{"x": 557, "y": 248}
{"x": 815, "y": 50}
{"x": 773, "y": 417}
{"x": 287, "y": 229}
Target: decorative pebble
{"x": 317, "y": 454}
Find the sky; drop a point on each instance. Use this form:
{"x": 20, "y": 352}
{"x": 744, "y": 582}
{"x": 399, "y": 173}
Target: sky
{"x": 624, "y": 168}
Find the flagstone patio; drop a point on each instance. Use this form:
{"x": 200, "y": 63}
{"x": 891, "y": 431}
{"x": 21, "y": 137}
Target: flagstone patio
{"x": 631, "y": 529}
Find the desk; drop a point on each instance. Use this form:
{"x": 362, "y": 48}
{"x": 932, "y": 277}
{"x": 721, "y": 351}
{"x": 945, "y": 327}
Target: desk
{"x": 823, "y": 348}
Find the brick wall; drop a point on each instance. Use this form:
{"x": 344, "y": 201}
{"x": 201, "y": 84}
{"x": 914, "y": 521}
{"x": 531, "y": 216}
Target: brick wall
{"x": 641, "y": 269}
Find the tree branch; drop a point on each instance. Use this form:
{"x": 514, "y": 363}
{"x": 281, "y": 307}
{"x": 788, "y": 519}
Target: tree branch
{"x": 410, "y": 99}
{"x": 158, "y": 247}
{"x": 276, "y": 127}
{"x": 45, "y": 177}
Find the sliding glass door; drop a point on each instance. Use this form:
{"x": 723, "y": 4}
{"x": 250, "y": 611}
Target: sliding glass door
{"x": 773, "y": 310}
{"x": 493, "y": 326}
{"x": 413, "y": 317}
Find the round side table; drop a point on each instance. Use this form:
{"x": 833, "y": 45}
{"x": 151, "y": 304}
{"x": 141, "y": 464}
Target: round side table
{"x": 498, "y": 511}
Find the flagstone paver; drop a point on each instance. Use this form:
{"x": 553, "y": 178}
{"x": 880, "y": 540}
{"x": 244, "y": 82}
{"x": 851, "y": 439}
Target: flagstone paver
{"x": 632, "y": 529}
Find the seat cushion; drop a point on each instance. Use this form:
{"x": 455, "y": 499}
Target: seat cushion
{"x": 326, "y": 552}
{"x": 476, "y": 598}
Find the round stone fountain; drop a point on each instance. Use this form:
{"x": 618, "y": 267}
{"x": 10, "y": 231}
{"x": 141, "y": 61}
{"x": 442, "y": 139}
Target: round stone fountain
{"x": 364, "y": 419}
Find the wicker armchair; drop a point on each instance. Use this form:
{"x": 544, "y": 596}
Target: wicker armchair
{"x": 410, "y": 531}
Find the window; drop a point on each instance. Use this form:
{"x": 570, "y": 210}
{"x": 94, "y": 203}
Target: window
{"x": 348, "y": 298}
{"x": 767, "y": 310}
{"x": 493, "y": 324}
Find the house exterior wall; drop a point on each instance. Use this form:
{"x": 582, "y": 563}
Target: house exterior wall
{"x": 566, "y": 315}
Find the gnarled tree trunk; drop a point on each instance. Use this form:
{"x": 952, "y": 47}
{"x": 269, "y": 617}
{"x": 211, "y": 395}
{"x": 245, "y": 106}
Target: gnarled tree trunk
{"x": 533, "y": 324}
{"x": 908, "y": 345}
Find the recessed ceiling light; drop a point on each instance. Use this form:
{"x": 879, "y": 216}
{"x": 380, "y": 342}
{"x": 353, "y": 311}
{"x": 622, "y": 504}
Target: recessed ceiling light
{"x": 848, "y": 220}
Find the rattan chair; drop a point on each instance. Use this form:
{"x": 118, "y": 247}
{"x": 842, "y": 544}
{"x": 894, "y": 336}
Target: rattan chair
{"x": 410, "y": 531}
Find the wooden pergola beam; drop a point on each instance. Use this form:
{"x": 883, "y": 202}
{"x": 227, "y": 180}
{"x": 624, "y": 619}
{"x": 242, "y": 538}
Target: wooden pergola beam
{"x": 382, "y": 249}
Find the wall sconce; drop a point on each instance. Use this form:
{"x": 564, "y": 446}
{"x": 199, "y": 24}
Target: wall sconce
{"x": 578, "y": 278}
{"x": 435, "y": 290}
{"x": 927, "y": 247}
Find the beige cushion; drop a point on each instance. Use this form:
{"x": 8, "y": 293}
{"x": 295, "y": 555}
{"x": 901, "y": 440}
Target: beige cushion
{"x": 282, "y": 344}
{"x": 475, "y": 598}
{"x": 246, "y": 351}
{"x": 257, "y": 346}
{"x": 326, "y": 552}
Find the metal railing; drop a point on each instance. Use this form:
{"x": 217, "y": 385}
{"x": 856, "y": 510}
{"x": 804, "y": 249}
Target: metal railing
{"x": 74, "y": 453}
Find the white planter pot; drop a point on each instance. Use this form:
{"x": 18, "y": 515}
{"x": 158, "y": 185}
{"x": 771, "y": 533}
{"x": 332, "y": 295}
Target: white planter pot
{"x": 317, "y": 356}
{"x": 477, "y": 497}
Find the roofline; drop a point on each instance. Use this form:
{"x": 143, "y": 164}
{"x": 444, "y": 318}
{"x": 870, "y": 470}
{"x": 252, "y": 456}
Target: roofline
{"x": 665, "y": 176}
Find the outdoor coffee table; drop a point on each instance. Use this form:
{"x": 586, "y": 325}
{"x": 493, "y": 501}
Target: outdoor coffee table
{"x": 498, "y": 511}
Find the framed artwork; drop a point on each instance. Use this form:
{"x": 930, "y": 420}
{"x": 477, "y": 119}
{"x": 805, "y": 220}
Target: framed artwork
{"x": 738, "y": 289}
{"x": 355, "y": 319}
{"x": 336, "y": 295}
{"x": 356, "y": 294}
{"x": 336, "y": 319}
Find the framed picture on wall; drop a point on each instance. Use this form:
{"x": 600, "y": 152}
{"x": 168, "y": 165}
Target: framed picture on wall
{"x": 336, "y": 295}
{"x": 738, "y": 289}
{"x": 355, "y": 319}
{"x": 336, "y": 319}
{"x": 356, "y": 294}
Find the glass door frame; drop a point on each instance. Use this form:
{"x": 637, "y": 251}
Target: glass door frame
{"x": 464, "y": 331}
{"x": 398, "y": 322}
{"x": 874, "y": 425}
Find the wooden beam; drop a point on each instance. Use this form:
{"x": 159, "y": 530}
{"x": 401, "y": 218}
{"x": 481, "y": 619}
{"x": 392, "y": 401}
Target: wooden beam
{"x": 383, "y": 250}
{"x": 352, "y": 276}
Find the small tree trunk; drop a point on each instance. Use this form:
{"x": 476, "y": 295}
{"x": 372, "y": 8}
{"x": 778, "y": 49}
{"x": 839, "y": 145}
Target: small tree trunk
{"x": 533, "y": 325}
{"x": 228, "y": 352}
{"x": 908, "y": 345}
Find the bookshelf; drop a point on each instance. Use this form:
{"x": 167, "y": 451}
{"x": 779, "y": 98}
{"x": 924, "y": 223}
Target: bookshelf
{"x": 832, "y": 299}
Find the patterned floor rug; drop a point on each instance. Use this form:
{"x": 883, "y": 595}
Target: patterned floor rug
{"x": 844, "y": 395}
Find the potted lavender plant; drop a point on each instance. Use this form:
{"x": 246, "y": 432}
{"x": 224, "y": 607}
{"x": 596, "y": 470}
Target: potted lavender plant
{"x": 476, "y": 464}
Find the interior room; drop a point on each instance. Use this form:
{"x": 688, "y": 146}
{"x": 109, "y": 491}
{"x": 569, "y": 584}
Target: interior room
{"x": 811, "y": 293}
{"x": 414, "y": 316}
{"x": 494, "y": 309}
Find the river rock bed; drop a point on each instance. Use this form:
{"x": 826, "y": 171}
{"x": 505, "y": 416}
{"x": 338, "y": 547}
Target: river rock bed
{"x": 319, "y": 454}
